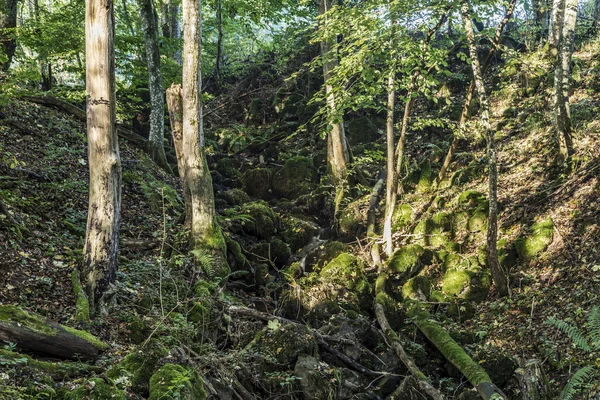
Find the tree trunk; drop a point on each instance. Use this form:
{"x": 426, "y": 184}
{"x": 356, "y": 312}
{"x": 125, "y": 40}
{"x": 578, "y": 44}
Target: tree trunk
{"x": 206, "y": 234}
{"x": 596, "y": 16}
{"x": 469, "y": 96}
{"x": 492, "y": 251}
{"x": 562, "y": 75}
{"x": 337, "y": 151}
{"x": 8, "y": 20}
{"x": 174, "y": 103}
{"x": 170, "y": 23}
{"x": 392, "y": 177}
{"x": 102, "y": 234}
{"x": 128, "y": 18}
{"x": 218, "y": 73}
{"x": 555, "y": 23}
{"x": 156, "y": 139}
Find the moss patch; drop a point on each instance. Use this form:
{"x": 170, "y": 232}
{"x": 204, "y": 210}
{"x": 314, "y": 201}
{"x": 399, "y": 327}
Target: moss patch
{"x": 344, "y": 280}
{"x": 275, "y": 251}
{"x": 542, "y": 234}
{"x": 22, "y": 317}
{"x": 297, "y": 177}
{"x": 257, "y": 182}
{"x": 174, "y": 381}
{"x": 95, "y": 389}
{"x": 402, "y": 216}
{"x": 417, "y": 288}
{"x": 297, "y": 232}
{"x": 82, "y": 305}
{"x": 263, "y": 222}
{"x": 409, "y": 258}
{"x": 235, "y": 197}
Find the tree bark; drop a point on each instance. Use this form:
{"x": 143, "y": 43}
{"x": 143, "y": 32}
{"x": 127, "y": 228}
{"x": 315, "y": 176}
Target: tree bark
{"x": 218, "y": 61}
{"x": 206, "y": 233}
{"x": 156, "y": 139}
{"x": 464, "y": 115}
{"x": 392, "y": 177}
{"x": 170, "y": 23}
{"x": 555, "y": 23}
{"x": 337, "y": 151}
{"x": 492, "y": 251}
{"x": 8, "y": 20}
{"x": 562, "y": 75}
{"x": 102, "y": 234}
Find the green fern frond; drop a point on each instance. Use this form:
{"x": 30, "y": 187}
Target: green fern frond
{"x": 205, "y": 260}
{"x": 594, "y": 327}
{"x": 571, "y": 331}
{"x": 580, "y": 377}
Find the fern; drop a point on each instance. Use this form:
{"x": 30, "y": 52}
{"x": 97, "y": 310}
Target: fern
{"x": 571, "y": 331}
{"x": 594, "y": 327}
{"x": 580, "y": 377}
{"x": 205, "y": 260}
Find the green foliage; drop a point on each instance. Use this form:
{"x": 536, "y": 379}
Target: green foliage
{"x": 588, "y": 342}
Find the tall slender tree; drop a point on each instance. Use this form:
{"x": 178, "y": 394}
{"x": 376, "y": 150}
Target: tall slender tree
{"x": 337, "y": 149}
{"x": 102, "y": 234}
{"x": 219, "y": 57}
{"x": 8, "y": 21}
{"x": 555, "y": 23}
{"x": 156, "y": 138}
{"x": 492, "y": 233}
{"x": 206, "y": 233}
{"x": 562, "y": 75}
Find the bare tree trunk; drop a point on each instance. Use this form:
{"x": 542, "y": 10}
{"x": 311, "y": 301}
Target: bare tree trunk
{"x": 337, "y": 150}
{"x": 464, "y": 115}
{"x": 554, "y": 28}
{"x": 218, "y": 74}
{"x": 8, "y": 20}
{"x": 174, "y": 103}
{"x": 206, "y": 234}
{"x": 492, "y": 233}
{"x": 104, "y": 212}
{"x": 392, "y": 177}
{"x": 170, "y": 23}
{"x": 562, "y": 75}
{"x": 156, "y": 138}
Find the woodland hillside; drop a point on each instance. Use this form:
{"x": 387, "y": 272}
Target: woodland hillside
{"x": 299, "y": 200}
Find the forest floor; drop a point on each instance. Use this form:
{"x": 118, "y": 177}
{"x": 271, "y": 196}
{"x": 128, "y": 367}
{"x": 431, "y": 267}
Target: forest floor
{"x": 43, "y": 184}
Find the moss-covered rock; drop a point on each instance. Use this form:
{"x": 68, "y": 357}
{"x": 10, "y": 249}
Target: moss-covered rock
{"x": 353, "y": 218}
{"x": 137, "y": 367}
{"x": 313, "y": 380}
{"x": 409, "y": 258}
{"x": 276, "y": 251}
{"x": 226, "y": 167}
{"x": 173, "y": 381}
{"x": 278, "y": 346}
{"x": 298, "y": 232}
{"x": 292, "y": 272}
{"x": 344, "y": 280}
{"x": 465, "y": 278}
{"x": 95, "y": 389}
{"x": 478, "y": 220}
{"x": 542, "y": 234}
{"x": 316, "y": 260}
{"x": 417, "y": 288}
{"x": 236, "y": 258}
{"x": 257, "y": 182}
{"x": 425, "y": 178}
{"x": 297, "y": 177}
{"x": 264, "y": 221}
{"x": 472, "y": 199}
{"x": 402, "y": 217}
{"x": 235, "y": 197}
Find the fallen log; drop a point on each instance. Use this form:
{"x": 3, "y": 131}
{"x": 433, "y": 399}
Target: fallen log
{"x": 31, "y": 332}
{"x": 454, "y": 353}
{"x": 56, "y": 370}
{"x": 80, "y": 114}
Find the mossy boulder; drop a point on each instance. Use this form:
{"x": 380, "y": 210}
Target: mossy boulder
{"x": 235, "y": 257}
{"x": 315, "y": 383}
{"x": 531, "y": 246}
{"x": 278, "y": 346}
{"x": 297, "y": 177}
{"x": 353, "y": 218}
{"x": 264, "y": 220}
{"x": 417, "y": 288}
{"x": 257, "y": 182}
{"x": 425, "y": 178}
{"x": 275, "y": 250}
{"x": 95, "y": 389}
{"x": 344, "y": 280}
{"x": 361, "y": 130}
{"x": 402, "y": 217}
{"x": 138, "y": 366}
{"x": 472, "y": 199}
{"x": 226, "y": 167}
{"x": 298, "y": 232}
{"x": 409, "y": 259}
{"x": 316, "y": 260}
{"x": 173, "y": 381}
{"x": 465, "y": 278}
{"x": 478, "y": 220}
{"x": 235, "y": 197}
